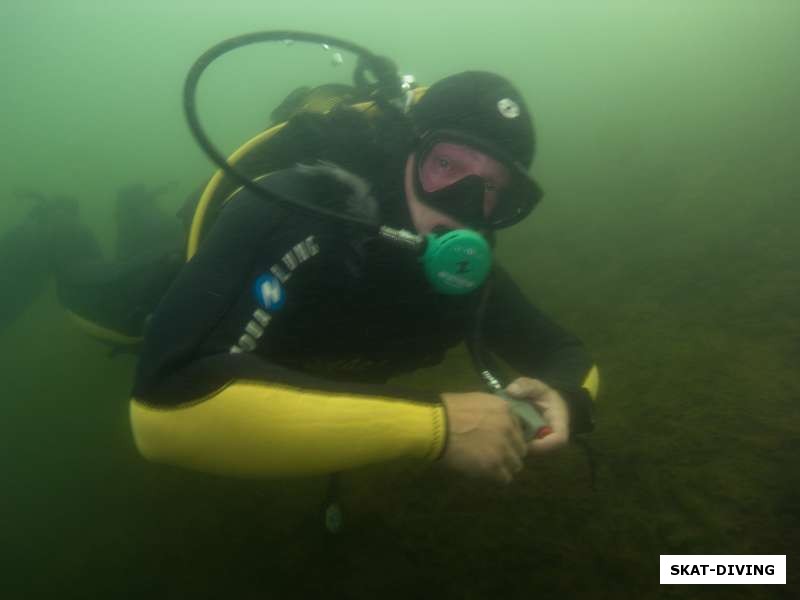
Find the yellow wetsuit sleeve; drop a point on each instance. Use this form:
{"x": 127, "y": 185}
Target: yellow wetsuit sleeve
{"x": 255, "y": 429}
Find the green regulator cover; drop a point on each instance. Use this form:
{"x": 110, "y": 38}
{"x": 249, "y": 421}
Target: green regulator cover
{"x": 457, "y": 262}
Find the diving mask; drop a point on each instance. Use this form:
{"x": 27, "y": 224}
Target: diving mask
{"x": 472, "y": 181}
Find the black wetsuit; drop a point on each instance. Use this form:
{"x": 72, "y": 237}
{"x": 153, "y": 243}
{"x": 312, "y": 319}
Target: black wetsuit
{"x": 352, "y": 311}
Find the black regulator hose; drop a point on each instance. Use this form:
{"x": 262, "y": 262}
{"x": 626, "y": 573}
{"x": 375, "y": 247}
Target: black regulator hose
{"x": 455, "y": 263}
{"x": 387, "y": 88}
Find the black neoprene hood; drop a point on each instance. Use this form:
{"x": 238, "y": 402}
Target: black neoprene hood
{"x": 480, "y": 104}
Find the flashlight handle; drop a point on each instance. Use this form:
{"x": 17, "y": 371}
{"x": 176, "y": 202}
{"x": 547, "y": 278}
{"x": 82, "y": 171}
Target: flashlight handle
{"x": 532, "y": 423}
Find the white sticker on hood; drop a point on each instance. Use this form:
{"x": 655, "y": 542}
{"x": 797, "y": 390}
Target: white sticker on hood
{"x": 508, "y": 108}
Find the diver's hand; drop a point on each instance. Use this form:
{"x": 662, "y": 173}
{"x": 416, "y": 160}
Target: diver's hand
{"x": 484, "y": 438}
{"x": 552, "y": 407}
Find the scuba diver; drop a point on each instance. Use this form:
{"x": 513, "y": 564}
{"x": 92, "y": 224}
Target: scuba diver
{"x": 109, "y": 300}
{"x": 350, "y": 243}
{"x": 26, "y": 259}
{"x": 270, "y": 353}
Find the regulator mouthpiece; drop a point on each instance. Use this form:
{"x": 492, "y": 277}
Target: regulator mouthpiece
{"x": 457, "y": 262}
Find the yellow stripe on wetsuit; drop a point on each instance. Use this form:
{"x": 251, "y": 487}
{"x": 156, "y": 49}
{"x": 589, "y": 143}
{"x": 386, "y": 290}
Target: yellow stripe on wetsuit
{"x": 592, "y": 382}
{"x": 101, "y": 333}
{"x": 253, "y": 429}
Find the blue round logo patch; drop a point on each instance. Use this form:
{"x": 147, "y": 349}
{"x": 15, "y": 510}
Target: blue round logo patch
{"x": 269, "y": 292}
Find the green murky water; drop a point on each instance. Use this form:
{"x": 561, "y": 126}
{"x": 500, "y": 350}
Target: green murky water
{"x": 669, "y": 139}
